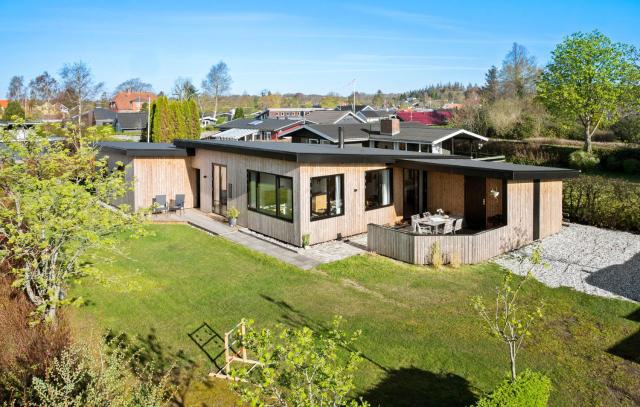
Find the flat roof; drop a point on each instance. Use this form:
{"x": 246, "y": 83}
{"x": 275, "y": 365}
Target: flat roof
{"x": 306, "y": 153}
{"x": 490, "y": 168}
{"x": 260, "y": 124}
{"x": 133, "y": 149}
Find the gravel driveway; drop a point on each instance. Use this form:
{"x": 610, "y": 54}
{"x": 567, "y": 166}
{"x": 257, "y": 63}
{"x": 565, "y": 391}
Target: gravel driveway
{"x": 592, "y": 260}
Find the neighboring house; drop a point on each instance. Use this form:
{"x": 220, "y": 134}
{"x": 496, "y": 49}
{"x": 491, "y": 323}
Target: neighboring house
{"x": 358, "y": 108}
{"x": 129, "y": 122}
{"x": 353, "y": 134}
{"x": 4, "y": 103}
{"x": 130, "y": 101}
{"x": 291, "y": 190}
{"x": 374, "y": 116}
{"x": 430, "y": 118}
{"x": 260, "y": 129}
{"x": 452, "y": 106}
{"x": 287, "y": 112}
{"x": 332, "y": 117}
{"x": 50, "y": 111}
{"x": 100, "y": 117}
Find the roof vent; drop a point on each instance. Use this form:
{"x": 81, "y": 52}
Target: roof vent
{"x": 389, "y": 127}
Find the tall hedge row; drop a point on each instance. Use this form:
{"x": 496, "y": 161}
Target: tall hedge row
{"x": 172, "y": 119}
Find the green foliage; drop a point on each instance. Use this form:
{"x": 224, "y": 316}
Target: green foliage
{"x": 13, "y": 109}
{"x": 172, "y": 119}
{"x": 233, "y": 212}
{"x": 75, "y": 380}
{"x": 588, "y": 79}
{"x": 239, "y": 113}
{"x": 53, "y": 212}
{"x": 306, "y": 240}
{"x": 300, "y": 367}
{"x": 530, "y": 389}
{"x": 627, "y": 129}
{"x": 603, "y": 202}
{"x": 631, "y": 166}
{"x": 583, "y": 160}
{"x": 436, "y": 256}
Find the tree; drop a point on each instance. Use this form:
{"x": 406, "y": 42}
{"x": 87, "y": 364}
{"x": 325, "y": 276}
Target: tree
{"x": 217, "y": 82}
{"x": 171, "y": 119}
{"x": 518, "y": 73}
{"x": 13, "y": 109}
{"x": 378, "y": 99}
{"x": 507, "y": 321}
{"x": 491, "y": 85}
{"x": 133, "y": 85}
{"x": 238, "y": 114}
{"x": 589, "y": 79}
{"x": 16, "y": 89}
{"x": 43, "y": 87}
{"x": 184, "y": 89}
{"x": 53, "y": 215}
{"x": 78, "y": 81}
{"x": 300, "y": 367}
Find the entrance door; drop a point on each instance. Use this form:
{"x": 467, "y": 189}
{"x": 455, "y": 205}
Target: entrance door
{"x": 196, "y": 201}
{"x": 411, "y": 189}
{"x": 219, "y": 190}
{"x": 474, "y": 202}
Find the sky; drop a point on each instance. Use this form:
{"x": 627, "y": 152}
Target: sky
{"x": 310, "y": 47}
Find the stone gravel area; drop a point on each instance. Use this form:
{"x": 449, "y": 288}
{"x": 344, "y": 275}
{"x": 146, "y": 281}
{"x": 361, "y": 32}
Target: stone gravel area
{"x": 589, "y": 259}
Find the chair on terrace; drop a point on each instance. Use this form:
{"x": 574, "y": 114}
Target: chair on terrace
{"x": 448, "y": 227}
{"x": 178, "y": 204}
{"x": 159, "y": 204}
{"x": 457, "y": 225}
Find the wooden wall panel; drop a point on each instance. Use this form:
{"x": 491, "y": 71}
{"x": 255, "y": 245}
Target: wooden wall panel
{"x": 550, "y": 207}
{"x": 446, "y": 192}
{"x": 129, "y": 197}
{"x": 163, "y": 176}
{"x": 519, "y": 215}
{"x": 493, "y": 206}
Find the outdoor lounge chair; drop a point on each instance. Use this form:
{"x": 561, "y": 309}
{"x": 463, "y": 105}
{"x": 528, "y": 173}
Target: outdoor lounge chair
{"x": 178, "y": 203}
{"x": 159, "y": 204}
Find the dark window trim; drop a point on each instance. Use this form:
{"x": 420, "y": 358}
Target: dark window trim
{"x": 341, "y": 192}
{"x": 536, "y": 209}
{"x": 390, "y": 169}
{"x": 257, "y": 210}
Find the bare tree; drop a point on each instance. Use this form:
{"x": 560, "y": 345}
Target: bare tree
{"x": 217, "y": 82}
{"x": 518, "y": 73}
{"x": 78, "y": 80}
{"x": 184, "y": 89}
{"x": 43, "y": 87}
{"x": 16, "y": 89}
{"x": 133, "y": 85}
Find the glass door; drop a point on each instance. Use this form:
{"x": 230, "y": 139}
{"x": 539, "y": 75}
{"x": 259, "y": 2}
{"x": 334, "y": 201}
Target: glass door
{"x": 411, "y": 197}
{"x": 219, "y": 190}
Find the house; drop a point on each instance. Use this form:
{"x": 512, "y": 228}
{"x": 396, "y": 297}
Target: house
{"x": 131, "y": 122}
{"x": 352, "y": 134}
{"x": 99, "y": 117}
{"x": 350, "y": 107}
{"x": 286, "y": 112}
{"x": 374, "y": 116}
{"x": 429, "y": 118}
{"x": 291, "y": 191}
{"x": 333, "y": 117}
{"x": 131, "y": 101}
{"x": 4, "y": 103}
{"x": 257, "y": 129}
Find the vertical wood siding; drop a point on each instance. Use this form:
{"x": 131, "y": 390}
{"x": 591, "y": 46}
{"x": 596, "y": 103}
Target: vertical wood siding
{"x": 445, "y": 191}
{"x": 163, "y": 176}
{"x": 550, "y": 207}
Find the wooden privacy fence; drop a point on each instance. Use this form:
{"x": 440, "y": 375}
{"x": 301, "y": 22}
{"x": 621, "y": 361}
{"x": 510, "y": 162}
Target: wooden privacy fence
{"x": 416, "y": 249}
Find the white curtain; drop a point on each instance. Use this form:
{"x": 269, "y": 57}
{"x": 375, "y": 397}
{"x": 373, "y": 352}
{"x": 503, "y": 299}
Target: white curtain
{"x": 338, "y": 195}
{"x": 385, "y": 184}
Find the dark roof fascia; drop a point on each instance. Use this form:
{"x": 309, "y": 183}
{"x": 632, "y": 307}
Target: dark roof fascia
{"x": 516, "y": 175}
{"x": 146, "y": 152}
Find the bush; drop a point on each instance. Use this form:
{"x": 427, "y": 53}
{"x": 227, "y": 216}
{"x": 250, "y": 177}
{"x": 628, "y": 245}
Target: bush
{"x": 631, "y": 166}
{"x": 583, "y": 160}
{"x": 603, "y": 202}
{"x": 436, "y": 256}
{"x": 627, "y": 129}
{"x": 530, "y": 389}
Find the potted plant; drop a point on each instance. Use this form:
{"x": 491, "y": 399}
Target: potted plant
{"x": 232, "y": 215}
{"x": 306, "y": 239}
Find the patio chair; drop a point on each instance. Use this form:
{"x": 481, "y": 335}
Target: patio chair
{"x": 448, "y": 227}
{"x": 457, "y": 225}
{"x": 178, "y": 204}
{"x": 424, "y": 229}
{"x": 159, "y": 204}
{"x": 414, "y": 222}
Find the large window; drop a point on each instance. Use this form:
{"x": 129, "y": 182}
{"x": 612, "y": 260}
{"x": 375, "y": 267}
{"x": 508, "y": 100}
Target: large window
{"x": 378, "y": 189}
{"x": 327, "y": 196}
{"x": 270, "y": 194}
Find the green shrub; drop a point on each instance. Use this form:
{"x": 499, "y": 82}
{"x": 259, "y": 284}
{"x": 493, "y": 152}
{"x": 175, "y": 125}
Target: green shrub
{"x": 628, "y": 129}
{"x": 233, "y": 213}
{"x": 531, "y": 389}
{"x": 631, "y": 166}
{"x": 583, "y": 160}
{"x": 603, "y": 202}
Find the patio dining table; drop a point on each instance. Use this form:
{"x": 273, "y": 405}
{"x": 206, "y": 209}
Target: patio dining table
{"x": 435, "y": 221}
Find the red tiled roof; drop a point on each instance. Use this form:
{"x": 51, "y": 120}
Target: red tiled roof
{"x": 433, "y": 118}
{"x": 124, "y": 100}
{"x": 4, "y": 103}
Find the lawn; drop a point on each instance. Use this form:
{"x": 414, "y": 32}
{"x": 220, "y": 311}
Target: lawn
{"x": 422, "y": 342}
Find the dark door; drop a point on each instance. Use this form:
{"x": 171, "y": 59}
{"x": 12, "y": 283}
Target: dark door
{"x": 196, "y": 201}
{"x": 219, "y": 190}
{"x": 474, "y": 202}
{"x": 411, "y": 197}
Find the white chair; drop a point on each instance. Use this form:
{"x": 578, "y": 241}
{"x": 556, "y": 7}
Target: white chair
{"x": 424, "y": 229}
{"x": 448, "y": 227}
{"x": 426, "y": 215}
{"x": 414, "y": 222}
{"x": 457, "y": 225}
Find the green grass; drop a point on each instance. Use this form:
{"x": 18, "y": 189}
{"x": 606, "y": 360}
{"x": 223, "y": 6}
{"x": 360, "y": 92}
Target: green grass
{"x": 422, "y": 342}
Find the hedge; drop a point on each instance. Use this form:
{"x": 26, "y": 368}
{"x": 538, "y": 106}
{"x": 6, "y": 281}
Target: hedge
{"x": 530, "y": 389}
{"x": 603, "y": 202}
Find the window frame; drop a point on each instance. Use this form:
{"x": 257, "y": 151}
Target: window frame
{"x": 391, "y": 197}
{"x": 257, "y": 208}
{"x": 341, "y": 175}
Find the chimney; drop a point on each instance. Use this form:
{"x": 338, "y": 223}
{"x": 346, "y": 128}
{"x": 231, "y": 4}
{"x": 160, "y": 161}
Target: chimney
{"x": 340, "y": 137}
{"x": 389, "y": 127}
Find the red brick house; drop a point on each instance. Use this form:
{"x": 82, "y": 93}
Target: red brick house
{"x": 130, "y": 101}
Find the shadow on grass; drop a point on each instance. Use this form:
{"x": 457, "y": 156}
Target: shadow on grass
{"x": 629, "y": 348}
{"x": 416, "y": 387}
{"x": 621, "y": 279}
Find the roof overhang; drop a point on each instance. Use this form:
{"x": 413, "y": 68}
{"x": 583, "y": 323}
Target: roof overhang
{"x": 144, "y": 152}
{"x": 457, "y": 133}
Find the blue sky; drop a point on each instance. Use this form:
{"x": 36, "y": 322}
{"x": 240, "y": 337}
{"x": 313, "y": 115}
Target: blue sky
{"x": 312, "y": 47}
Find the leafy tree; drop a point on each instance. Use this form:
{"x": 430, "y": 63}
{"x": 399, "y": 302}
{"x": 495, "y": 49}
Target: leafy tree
{"x": 239, "y": 113}
{"x": 171, "y": 119}
{"x": 43, "y": 87}
{"x": 491, "y": 85}
{"x": 300, "y": 367}
{"x": 508, "y": 321}
{"x": 184, "y": 89}
{"x": 78, "y": 81}
{"x": 16, "y": 89}
{"x": 13, "y": 109}
{"x": 218, "y": 82}
{"x": 627, "y": 129}
{"x": 588, "y": 79}
{"x": 378, "y": 99}
{"x": 53, "y": 214}
{"x": 133, "y": 85}
{"x": 518, "y": 73}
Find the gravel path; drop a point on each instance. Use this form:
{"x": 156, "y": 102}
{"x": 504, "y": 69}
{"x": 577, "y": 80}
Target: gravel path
{"x": 592, "y": 260}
